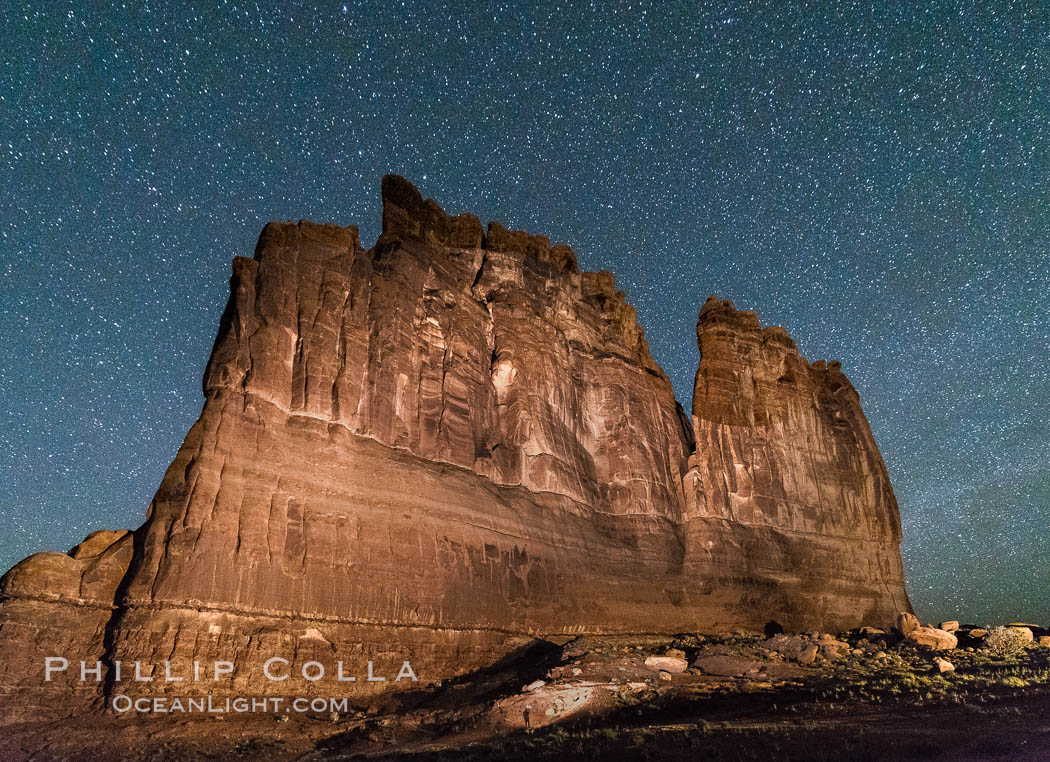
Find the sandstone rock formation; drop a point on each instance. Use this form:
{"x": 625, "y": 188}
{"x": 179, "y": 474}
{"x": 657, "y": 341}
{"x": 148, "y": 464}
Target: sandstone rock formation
{"x": 452, "y": 442}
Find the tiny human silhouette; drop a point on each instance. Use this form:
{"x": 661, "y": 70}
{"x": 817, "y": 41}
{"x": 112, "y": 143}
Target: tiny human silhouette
{"x": 526, "y": 713}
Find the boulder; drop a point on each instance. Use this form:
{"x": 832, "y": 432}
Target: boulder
{"x": 803, "y": 650}
{"x": 809, "y": 654}
{"x": 932, "y": 637}
{"x": 943, "y": 665}
{"x": 832, "y": 649}
{"x": 1024, "y": 631}
{"x": 950, "y": 626}
{"x": 906, "y": 622}
{"x": 673, "y": 664}
{"x": 788, "y": 646}
{"x": 720, "y": 665}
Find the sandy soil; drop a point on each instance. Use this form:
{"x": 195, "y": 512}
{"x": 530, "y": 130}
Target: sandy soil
{"x": 597, "y": 699}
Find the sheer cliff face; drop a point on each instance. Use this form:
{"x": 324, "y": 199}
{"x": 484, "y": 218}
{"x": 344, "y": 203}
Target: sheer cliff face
{"x": 455, "y": 439}
{"x": 787, "y": 472}
{"x": 781, "y": 442}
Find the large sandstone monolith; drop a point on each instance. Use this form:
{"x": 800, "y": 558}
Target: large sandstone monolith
{"x": 438, "y": 448}
{"x": 787, "y": 500}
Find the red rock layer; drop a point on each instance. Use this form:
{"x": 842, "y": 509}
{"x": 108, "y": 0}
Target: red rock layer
{"x": 433, "y": 449}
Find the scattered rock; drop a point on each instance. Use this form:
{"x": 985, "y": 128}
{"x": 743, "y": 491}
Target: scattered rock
{"x": 906, "y": 623}
{"x": 931, "y": 637}
{"x": 674, "y": 664}
{"x": 832, "y": 649}
{"x": 977, "y": 632}
{"x": 721, "y": 665}
{"x": 943, "y": 665}
{"x": 1044, "y": 641}
{"x": 950, "y": 626}
{"x": 577, "y": 647}
{"x": 805, "y": 651}
{"x": 788, "y": 646}
{"x": 665, "y": 676}
{"x": 809, "y": 654}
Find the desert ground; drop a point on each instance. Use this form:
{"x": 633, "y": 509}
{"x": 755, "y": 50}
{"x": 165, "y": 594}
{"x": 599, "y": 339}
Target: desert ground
{"x": 863, "y": 695}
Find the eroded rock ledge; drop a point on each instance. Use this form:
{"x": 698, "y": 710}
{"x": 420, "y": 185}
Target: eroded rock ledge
{"x": 453, "y": 441}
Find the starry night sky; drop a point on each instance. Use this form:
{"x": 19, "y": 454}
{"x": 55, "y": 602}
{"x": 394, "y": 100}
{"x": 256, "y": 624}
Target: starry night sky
{"x": 877, "y": 180}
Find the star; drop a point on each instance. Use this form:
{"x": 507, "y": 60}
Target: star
{"x": 876, "y": 183}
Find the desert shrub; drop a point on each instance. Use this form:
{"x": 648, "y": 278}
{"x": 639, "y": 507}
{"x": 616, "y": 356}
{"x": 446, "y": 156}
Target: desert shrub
{"x": 1004, "y": 641}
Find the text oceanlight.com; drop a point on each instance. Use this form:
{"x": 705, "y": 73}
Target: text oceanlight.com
{"x": 227, "y": 705}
